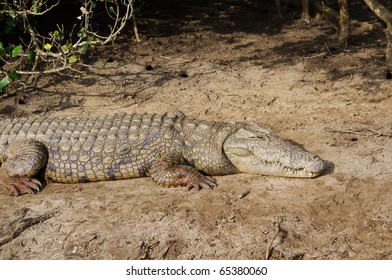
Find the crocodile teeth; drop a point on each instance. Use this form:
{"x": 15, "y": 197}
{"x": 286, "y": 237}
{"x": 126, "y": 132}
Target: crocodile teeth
{"x": 285, "y": 169}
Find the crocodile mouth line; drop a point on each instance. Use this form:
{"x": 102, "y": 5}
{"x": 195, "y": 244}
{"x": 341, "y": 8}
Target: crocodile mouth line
{"x": 289, "y": 171}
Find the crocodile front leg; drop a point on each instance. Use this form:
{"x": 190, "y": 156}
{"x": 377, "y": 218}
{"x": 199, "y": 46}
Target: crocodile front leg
{"x": 173, "y": 171}
{"x": 22, "y": 160}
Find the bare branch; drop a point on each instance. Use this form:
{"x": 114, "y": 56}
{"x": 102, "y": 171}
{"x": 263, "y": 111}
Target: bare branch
{"x": 30, "y": 12}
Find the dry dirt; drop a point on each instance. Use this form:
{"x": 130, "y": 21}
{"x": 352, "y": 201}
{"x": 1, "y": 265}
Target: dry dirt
{"x": 223, "y": 61}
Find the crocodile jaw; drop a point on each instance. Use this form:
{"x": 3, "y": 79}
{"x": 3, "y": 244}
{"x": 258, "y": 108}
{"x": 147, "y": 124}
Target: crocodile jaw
{"x": 256, "y": 150}
{"x": 274, "y": 168}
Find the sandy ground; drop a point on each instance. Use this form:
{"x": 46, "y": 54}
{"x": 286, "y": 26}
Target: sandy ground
{"x": 223, "y": 61}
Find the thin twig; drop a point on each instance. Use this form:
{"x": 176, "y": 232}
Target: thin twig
{"x": 269, "y": 248}
{"x": 30, "y": 12}
{"x": 326, "y": 46}
{"x": 317, "y": 55}
{"x": 51, "y": 71}
{"x": 348, "y": 245}
{"x": 135, "y": 29}
{"x": 364, "y": 131}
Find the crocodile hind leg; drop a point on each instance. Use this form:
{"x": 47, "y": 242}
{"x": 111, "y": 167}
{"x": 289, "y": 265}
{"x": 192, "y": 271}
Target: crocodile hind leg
{"x": 22, "y": 160}
{"x": 173, "y": 171}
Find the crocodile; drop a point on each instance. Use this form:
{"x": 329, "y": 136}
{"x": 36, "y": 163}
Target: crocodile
{"x": 171, "y": 148}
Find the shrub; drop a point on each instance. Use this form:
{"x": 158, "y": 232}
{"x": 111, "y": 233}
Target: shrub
{"x": 32, "y": 43}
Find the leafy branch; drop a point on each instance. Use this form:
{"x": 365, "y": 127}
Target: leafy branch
{"x": 35, "y": 53}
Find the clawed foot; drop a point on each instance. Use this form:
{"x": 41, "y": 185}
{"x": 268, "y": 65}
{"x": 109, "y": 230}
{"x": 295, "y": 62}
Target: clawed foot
{"x": 19, "y": 186}
{"x": 202, "y": 182}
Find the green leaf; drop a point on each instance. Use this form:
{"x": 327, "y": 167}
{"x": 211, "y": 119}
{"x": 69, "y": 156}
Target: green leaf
{"x": 72, "y": 59}
{"x": 81, "y": 34}
{"x": 4, "y": 83}
{"x": 16, "y": 51}
{"x": 93, "y": 5}
{"x": 31, "y": 56}
{"x": 47, "y": 46}
{"x": 3, "y": 51}
{"x": 11, "y": 13}
{"x": 14, "y": 76}
{"x": 65, "y": 48}
{"x": 83, "y": 49}
{"x": 111, "y": 9}
{"x": 10, "y": 48}
{"x": 10, "y": 25}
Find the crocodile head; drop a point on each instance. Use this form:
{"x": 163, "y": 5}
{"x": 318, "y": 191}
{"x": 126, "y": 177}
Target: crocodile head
{"x": 256, "y": 150}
